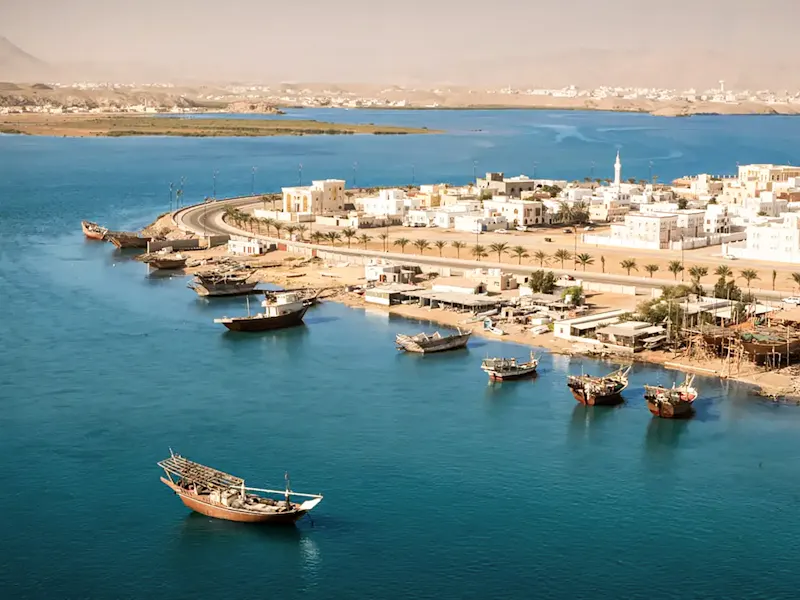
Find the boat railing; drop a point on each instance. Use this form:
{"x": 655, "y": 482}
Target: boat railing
{"x": 282, "y": 492}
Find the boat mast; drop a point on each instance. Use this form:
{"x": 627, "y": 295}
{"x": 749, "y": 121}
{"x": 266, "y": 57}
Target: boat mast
{"x": 288, "y": 489}
{"x": 248, "y": 305}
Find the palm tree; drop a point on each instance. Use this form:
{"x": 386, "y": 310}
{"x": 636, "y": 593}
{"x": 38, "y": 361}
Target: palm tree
{"x": 562, "y": 255}
{"x": 628, "y": 264}
{"x": 290, "y": 229}
{"x": 500, "y": 248}
{"x": 364, "y": 239}
{"x": 697, "y": 273}
{"x": 278, "y": 226}
{"x": 723, "y": 271}
{"x": 458, "y": 246}
{"x": 748, "y": 275}
{"x": 565, "y": 212}
{"x": 421, "y": 245}
{"x": 301, "y": 229}
{"x": 519, "y": 252}
{"x": 317, "y": 236}
{"x": 402, "y": 243}
{"x": 541, "y": 256}
{"x": 675, "y": 267}
{"x": 268, "y": 222}
{"x": 774, "y": 276}
{"x": 796, "y": 279}
{"x": 440, "y": 245}
{"x": 333, "y": 237}
{"x": 603, "y": 263}
{"x": 348, "y": 233}
{"x": 479, "y": 251}
{"x": 584, "y": 259}
{"x": 651, "y": 269}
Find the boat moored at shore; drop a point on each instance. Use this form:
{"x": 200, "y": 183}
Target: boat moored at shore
{"x": 124, "y": 240}
{"x": 222, "y": 496}
{"x": 596, "y": 391}
{"x": 427, "y": 344}
{"x": 503, "y": 369}
{"x": 285, "y": 309}
{"x": 672, "y": 403}
{"x": 93, "y": 231}
{"x": 215, "y": 284}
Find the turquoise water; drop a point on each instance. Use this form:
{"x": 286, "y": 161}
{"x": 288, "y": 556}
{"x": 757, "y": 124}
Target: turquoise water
{"x": 437, "y": 485}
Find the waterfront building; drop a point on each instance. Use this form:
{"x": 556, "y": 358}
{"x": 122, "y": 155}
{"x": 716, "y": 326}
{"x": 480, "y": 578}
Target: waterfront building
{"x": 765, "y": 175}
{"x": 499, "y": 184}
{"x": 320, "y": 198}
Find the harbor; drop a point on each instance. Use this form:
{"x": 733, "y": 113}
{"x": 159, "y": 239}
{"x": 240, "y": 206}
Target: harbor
{"x": 401, "y": 445}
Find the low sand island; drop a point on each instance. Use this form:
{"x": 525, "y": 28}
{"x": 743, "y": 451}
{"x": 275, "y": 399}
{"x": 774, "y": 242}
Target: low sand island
{"x": 98, "y": 125}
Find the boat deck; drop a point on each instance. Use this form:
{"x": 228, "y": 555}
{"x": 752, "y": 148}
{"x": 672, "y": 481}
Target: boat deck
{"x": 196, "y": 473}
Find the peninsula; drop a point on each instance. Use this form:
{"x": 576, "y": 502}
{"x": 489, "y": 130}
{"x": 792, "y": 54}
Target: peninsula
{"x": 120, "y": 125}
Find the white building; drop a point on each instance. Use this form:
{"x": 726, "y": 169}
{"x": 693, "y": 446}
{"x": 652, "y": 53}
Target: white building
{"x": 320, "y": 198}
{"x": 766, "y": 174}
{"x": 392, "y": 202}
{"x": 522, "y": 213}
{"x": 477, "y": 223}
{"x": 775, "y": 241}
{"x": 445, "y": 218}
{"x": 717, "y": 219}
{"x": 247, "y": 246}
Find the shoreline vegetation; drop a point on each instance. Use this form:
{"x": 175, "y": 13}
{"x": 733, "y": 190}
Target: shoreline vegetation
{"x": 94, "y": 125}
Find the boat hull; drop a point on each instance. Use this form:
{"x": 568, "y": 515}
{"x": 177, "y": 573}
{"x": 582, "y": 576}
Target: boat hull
{"x": 521, "y": 374}
{"x": 225, "y": 289}
{"x": 668, "y": 410}
{"x": 166, "y": 263}
{"x": 258, "y": 323}
{"x": 225, "y": 513}
{"x": 455, "y": 342}
{"x": 93, "y": 231}
{"x": 596, "y": 400}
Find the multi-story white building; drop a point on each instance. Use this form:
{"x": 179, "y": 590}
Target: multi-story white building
{"x": 518, "y": 213}
{"x": 499, "y": 184}
{"x": 717, "y": 219}
{"x": 775, "y": 241}
{"x": 445, "y": 217}
{"x": 393, "y": 202}
{"x": 322, "y": 197}
{"x": 767, "y": 174}
{"x": 608, "y": 211}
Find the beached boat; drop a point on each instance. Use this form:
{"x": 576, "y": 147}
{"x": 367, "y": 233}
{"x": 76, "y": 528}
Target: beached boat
{"x": 603, "y": 390}
{"x": 502, "y": 369}
{"x": 426, "y": 344}
{"x": 674, "y": 402}
{"x": 122, "y": 239}
{"x": 214, "y": 284}
{"x": 166, "y": 261}
{"x": 222, "y": 496}
{"x": 93, "y": 231}
{"x": 283, "y": 310}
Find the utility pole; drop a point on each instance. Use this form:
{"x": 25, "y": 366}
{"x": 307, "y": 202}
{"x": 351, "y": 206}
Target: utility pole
{"x": 300, "y": 174}
{"x": 214, "y": 176}
{"x": 534, "y": 169}
{"x": 253, "y": 182}
{"x": 591, "y": 171}
{"x": 355, "y": 173}
{"x": 171, "y": 187}
{"x": 650, "y": 172}
{"x": 413, "y": 175}
{"x": 474, "y": 169}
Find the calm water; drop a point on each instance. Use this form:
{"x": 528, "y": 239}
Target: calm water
{"x": 436, "y": 484}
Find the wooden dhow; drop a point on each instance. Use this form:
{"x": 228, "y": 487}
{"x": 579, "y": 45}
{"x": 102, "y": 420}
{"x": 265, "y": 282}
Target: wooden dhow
{"x": 604, "y": 390}
{"x": 93, "y": 231}
{"x": 674, "y": 402}
{"x": 124, "y": 239}
{"x": 284, "y": 309}
{"x": 222, "y": 496}
{"x": 503, "y": 369}
{"x": 436, "y": 342}
{"x": 223, "y": 284}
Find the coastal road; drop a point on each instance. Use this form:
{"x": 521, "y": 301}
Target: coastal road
{"x": 206, "y": 219}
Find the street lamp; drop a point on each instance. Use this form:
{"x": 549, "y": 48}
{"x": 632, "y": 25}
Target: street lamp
{"x": 651, "y": 171}
{"x": 534, "y": 169}
{"x": 355, "y": 173}
{"x": 591, "y": 171}
{"x": 171, "y": 187}
{"x": 300, "y": 174}
{"x": 214, "y": 176}
{"x": 474, "y": 169}
{"x": 413, "y": 175}
{"x": 253, "y": 182}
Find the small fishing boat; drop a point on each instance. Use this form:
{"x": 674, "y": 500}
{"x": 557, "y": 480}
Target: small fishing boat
{"x": 283, "y": 310}
{"x": 166, "y": 260}
{"x": 603, "y": 390}
{"x": 674, "y": 402}
{"x": 502, "y": 369}
{"x": 93, "y": 231}
{"x": 218, "y": 284}
{"x": 222, "y": 496}
{"x": 426, "y": 344}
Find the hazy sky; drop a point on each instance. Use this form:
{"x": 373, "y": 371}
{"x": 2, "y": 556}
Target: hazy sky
{"x": 369, "y": 40}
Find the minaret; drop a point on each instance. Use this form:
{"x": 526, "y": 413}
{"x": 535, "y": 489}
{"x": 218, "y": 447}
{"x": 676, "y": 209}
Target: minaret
{"x": 617, "y": 171}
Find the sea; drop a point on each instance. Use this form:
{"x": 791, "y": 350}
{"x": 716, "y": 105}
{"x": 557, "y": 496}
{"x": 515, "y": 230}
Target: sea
{"x": 436, "y": 483}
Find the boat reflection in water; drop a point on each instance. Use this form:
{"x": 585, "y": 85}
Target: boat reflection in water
{"x": 585, "y": 419}
{"x": 663, "y": 435}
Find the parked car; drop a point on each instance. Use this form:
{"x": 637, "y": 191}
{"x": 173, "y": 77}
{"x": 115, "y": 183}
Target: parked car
{"x": 728, "y": 257}
{"x": 567, "y": 230}
{"x": 501, "y": 230}
{"x": 792, "y": 300}
{"x": 548, "y": 239}
{"x": 588, "y": 228}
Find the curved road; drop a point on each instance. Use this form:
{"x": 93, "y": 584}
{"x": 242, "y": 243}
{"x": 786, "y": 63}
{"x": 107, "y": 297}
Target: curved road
{"x": 206, "y": 219}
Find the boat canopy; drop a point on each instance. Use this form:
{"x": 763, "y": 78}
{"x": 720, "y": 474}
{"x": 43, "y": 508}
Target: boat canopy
{"x": 193, "y": 472}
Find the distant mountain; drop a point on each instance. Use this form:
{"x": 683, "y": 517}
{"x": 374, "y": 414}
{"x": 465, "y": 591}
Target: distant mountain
{"x": 18, "y": 65}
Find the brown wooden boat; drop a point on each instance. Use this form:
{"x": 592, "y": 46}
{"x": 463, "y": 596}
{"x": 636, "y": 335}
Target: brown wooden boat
{"x": 671, "y": 403}
{"x": 427, "y": 344}
{"x": 93, "y": 231}
{"x": 504, "y": 369}
{"x": 596, "y": 391}
{"x": 286, "y": 310}
{"x": 222, "y": 496}
{"x": 218, "y": 284}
